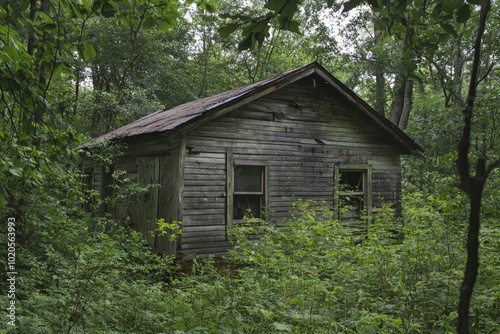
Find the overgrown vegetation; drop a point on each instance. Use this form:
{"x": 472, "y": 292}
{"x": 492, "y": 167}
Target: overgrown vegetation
{"x": 72, "y": 68}
{"x": 316, "y": 275}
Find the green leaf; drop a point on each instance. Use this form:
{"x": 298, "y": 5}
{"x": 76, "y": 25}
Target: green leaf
{"x": 475, "y": 2}
{"x": 282, "y": 327}
{"x": 45, "y": 18}
{"x": 410, "y": 64}
{"x": 149, "y": 22}
{"x": 349, "y": 5}
{"x": 11, "y": 52}
{"x": 208, "y": 5}
{"x": 275, "y": 5}
{"x": 23, "y": 136}
{"x": 58, "y": 68}
{"x": 108, "y": 10}
{"x": 449, "y": 29}
{"x": 380, "y": 24}
{"x": 165, "y": 26}
{"x": 449, "y": 6}
{"x": 294, "y": 27}
{"x": 87, "y": 4}
{"x": 247, "y": 43}
{"x": 16, "y": 171}
{"x": 463, "y": 13}
{"x": 212, "y": 6}
{"x": 227, "y": 30}
{"x": 16, "y": 161}
{"x": 88, "y": 51}
{"x": 3, "y": 199}
{"x": 418, "y": 3}
{"x": 75, "y": 10}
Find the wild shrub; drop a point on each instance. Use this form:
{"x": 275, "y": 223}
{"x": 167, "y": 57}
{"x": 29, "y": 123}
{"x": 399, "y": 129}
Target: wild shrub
{"x": 315, "y": 274}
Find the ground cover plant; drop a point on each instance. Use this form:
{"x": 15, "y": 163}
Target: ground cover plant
{"x": 316, "y": 275}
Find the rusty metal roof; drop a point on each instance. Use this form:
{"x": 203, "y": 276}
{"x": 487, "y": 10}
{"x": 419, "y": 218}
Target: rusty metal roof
{"x": 168, "y": 120}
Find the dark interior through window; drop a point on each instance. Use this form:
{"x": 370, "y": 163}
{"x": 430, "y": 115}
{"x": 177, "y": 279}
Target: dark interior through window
{"x": 351, "y": 194}
{"x": 248, "y": 192}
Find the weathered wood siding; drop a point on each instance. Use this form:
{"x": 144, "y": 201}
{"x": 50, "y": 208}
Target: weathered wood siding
{"x": 299, "y": 132}
{"x": 159, "y": 163}
{"x": 162, "y": 201}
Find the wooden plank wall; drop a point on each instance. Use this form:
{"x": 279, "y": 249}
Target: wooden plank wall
{"x": 146, "y": 213}
{"x": 162, "y": 201}
{"x": 169, "y": 197}
{"x": 300, "y": 132}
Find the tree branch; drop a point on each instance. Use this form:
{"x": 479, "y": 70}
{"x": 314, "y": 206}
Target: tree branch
{"x": 491, "y": 167}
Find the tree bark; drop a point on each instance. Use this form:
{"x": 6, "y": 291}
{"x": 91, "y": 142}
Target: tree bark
{"x": 398, "y": 98}
{"x": 407, "y": 104}
{"x": 472, "y": 185}
{"x": 379, "y": 70}
{"x": 472, "y": 264}
{"x": 402, "y": 102}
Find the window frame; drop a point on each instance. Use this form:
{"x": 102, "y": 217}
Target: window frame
{"x": 366, "y": 171}
{"x": 231, "y": 164}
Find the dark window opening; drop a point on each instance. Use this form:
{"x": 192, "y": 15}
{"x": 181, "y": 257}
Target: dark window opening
{"x": 352, "y": 196}
{"x": 351, "y": 181}
{"x": 246, "y": 206}
{"x": 248, "y": 196}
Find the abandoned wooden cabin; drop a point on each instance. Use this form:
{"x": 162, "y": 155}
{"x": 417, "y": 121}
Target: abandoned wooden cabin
{"x": 258, "y": 148}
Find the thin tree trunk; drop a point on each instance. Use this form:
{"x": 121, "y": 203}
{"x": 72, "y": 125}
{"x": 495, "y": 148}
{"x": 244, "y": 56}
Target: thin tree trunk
{"x": 457, "y": 73}
{"x": 379, "y": 72}
{"x": 42, "y": 78}
{"x": 472, "y": 264}
{"x": 407, "y": 104}
{"x": 472, "y": 185}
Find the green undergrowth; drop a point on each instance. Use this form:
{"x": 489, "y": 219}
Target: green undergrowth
{"x": 314, "y": 275}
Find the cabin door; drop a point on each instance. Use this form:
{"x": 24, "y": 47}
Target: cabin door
{"x": 148, "y": 170}
{"x": 158, "y": 202}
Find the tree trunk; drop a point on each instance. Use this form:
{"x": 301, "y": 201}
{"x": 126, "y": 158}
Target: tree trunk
{"x": 472, "y": 185}
{"x": 379, "y": 89}
{"x": 42, "y": 78}
{"x": 398, "y": 98}
{"x": 472, "y": 264}
{"x": 457, "y": 73}
{"x": 379, "y": 71}
{"x": 402, "y": 102}
{"x": 407, "y": 104}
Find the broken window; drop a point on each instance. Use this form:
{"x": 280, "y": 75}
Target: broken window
{"x": 352, "y": 191}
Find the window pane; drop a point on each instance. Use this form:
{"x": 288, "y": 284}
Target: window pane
{"x": 351, "y": 181}
{"x": 246, "y": 205}
{"x": 248, "y": 179}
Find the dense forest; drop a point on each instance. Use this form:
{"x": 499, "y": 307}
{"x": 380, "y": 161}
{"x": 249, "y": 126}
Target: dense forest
{"x": 71, "y": 70}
